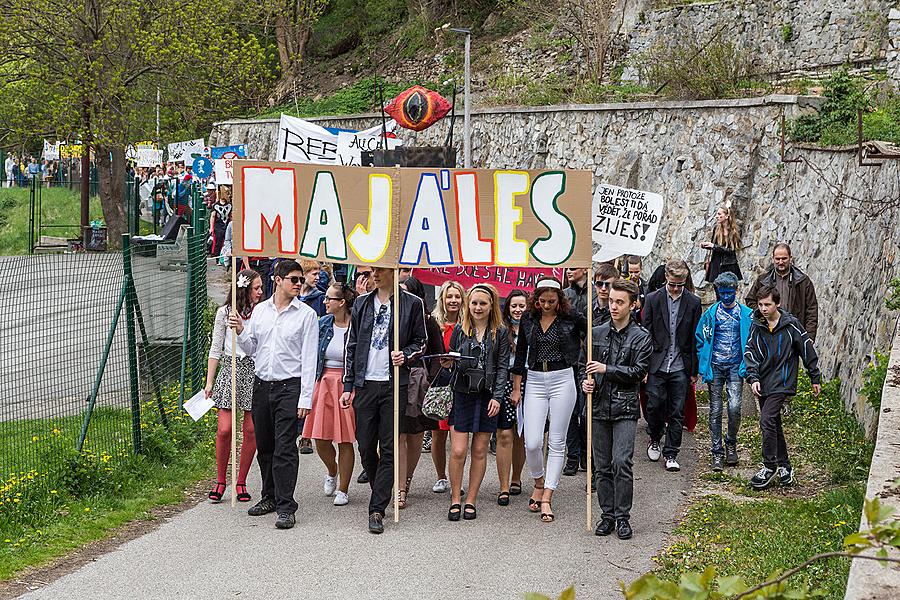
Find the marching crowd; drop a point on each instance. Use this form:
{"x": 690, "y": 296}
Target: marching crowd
{"x": 315, "y": 359}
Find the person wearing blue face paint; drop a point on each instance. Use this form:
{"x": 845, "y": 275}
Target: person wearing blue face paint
{"x": 721, "y": 337}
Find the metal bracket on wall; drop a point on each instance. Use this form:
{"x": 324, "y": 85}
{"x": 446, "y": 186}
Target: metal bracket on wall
{"x": 783, "y": 159}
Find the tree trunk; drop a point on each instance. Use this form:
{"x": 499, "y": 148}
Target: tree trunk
{"x": 282, "y": 40}
{"x": 111, "y": 176}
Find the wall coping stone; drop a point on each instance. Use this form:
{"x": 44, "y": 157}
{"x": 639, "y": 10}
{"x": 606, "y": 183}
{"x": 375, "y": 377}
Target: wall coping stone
{"x": 868, "y": 580}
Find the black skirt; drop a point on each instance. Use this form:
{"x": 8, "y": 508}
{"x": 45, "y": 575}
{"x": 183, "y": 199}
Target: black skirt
{"x": 470, "y": 413}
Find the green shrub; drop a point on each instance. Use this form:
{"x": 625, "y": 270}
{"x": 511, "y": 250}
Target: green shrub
{"x": 873, "y": 380}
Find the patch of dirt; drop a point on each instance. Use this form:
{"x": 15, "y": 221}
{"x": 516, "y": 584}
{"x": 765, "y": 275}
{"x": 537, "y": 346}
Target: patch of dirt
{"x": 38, "y": 577}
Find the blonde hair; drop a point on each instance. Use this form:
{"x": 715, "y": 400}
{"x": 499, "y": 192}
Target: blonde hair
{"x": 727, "y": 233}
{"x": 495, "y": 317}
{"x": 307, "y": 265}
{"x": 440, "y": 313}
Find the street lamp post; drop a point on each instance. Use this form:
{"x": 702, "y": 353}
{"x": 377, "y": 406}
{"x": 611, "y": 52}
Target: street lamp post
{"x": 467, "y": 131}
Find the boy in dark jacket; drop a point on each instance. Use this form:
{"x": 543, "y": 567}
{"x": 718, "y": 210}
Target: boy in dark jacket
{"x": 776, "y": 344}
{"x": 620, "y": 356}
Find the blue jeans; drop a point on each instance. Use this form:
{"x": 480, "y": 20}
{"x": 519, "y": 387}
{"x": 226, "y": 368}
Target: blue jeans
{"x": 724, "y": 376}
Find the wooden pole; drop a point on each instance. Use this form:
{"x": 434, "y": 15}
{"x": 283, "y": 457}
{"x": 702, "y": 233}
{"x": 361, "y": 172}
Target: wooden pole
{"x": 233, "y": 385}
{"x": 589, "y": 410}
{"x": 396, "y": 315}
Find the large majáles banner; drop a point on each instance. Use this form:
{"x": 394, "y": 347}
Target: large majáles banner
{"x": 413, "y": 216}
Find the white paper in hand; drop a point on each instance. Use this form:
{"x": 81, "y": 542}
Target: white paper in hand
{"x": 198, "y": 405}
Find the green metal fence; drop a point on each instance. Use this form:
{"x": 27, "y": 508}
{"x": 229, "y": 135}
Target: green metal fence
{"x": 92, "y": 341}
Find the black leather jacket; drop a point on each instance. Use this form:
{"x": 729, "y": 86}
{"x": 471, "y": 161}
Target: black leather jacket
{"x": 496, "y": 362}
{"x": 574, "y": 330}
{"x": 626, "y": 355}
{"x": 359, "y": 338}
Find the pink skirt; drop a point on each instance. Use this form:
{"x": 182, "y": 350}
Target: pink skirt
{"x": 327, "y": 420}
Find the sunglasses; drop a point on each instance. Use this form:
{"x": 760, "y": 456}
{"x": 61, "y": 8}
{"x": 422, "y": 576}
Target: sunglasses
{"x": 294, "y": 279}
{"x": 603, "y": 284}
{"x": 327, "y": 298}
{"x": 675, "y": 285}
{"x": 364, "y": 274}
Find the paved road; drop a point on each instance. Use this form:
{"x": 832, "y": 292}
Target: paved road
{"x": 213, "y": 551}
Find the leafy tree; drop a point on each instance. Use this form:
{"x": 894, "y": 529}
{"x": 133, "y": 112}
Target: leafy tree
{"x": 93, "y": 71}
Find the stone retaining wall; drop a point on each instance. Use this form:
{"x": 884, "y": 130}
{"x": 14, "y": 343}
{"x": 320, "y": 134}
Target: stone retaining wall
{"x": 698, "y": 155}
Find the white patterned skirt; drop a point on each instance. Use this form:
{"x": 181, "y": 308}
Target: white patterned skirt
{"x": 244, "y": 383}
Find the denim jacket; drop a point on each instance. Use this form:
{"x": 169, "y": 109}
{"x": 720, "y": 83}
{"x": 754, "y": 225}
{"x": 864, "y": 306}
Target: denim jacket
{"x": 326, "y": 332}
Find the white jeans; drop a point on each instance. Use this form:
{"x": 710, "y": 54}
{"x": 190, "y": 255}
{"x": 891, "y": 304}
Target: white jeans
{"x": 552, "y": 393}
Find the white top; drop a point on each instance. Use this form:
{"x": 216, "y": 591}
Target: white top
{"x": 284, "y": 344}
{"x": 378, "y": 367}
{"x": 334, "y": 353}
{"x": 221, "y": 337}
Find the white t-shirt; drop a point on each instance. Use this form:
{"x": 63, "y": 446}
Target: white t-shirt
{"x": 334, "y": 353}
{"x": 378, "y": 367}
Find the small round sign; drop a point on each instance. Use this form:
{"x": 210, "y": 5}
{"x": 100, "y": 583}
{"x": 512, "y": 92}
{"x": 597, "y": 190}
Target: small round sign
{"x": 203, "y": 167}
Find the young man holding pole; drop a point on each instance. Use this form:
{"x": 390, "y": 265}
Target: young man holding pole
{"x": 776, "y": 344}
{"x": 368, "y": 370}
{"x": 283, "y": 338}
{"x": 620, "y": 358}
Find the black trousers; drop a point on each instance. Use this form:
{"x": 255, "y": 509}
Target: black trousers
{"x": 774, "y": 448}
{"x": 275, "y": 420}
{"x": 613, "y": 445}
{"x": 576, "y": 436}
{"x": 666, "y": 393}
{"x": 374, "y": 408}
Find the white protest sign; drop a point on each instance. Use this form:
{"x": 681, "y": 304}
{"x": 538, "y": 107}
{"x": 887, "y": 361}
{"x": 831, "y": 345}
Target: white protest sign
{"x": 224, "y": 169}
{"x": 148, "y": 157}
{"x": 182, "y": 151}
{"x": 350, "y": 146}
{"x": 624, "y": 221}
{"x": 300, "y": 141}
{"x": 51, "y": 150}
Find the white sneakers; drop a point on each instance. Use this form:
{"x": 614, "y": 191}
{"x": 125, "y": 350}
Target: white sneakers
{"x": 672, "y": 464}
{"x": 330, "y": 485}
{"x": 653, "y": 451}
{"x": 340, "y": 498}
{"x": 441, "y": 486}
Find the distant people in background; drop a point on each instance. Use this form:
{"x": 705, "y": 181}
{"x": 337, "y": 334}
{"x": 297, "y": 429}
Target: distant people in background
{"x": 34, "y": 169}
{"x": 671, "y": 315}
{"x": 312, "y": 290}
{"x": 635, "y": 268}
{"x": 726, "y": 241}
{"x": 218, "y": 387}
{"x": 721, "y": 338}
{"x": 658, "y": 280}
{"x": 510, "y": 445}
{"x": 604, "y": 276}
{"x": 219, "y": 217}
{"x": 796, "y": 289}
{"x": 8, "y": 168}
{"x": 776, "y": 344}
{"x": 447, "y": 314}
{"x": 363, "y": 280}
{"x": 327, "y": 423}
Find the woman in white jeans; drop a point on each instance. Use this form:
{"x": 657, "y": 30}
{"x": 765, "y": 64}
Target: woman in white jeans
{"x": 549, "y": 345}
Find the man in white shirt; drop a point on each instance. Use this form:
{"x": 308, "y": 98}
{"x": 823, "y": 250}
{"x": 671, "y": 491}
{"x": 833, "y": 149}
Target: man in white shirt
{"x": 368, "y": 369}
{"x": 283, "y": 338}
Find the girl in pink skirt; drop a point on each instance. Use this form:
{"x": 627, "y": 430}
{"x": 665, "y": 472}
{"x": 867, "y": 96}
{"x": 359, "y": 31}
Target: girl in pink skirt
{"x": 327, "y": 423}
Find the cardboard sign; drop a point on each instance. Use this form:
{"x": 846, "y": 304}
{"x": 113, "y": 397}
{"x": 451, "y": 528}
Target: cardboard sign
{"x": 51, "y": 150}
{"x": 224, "y": 169}
{"x": 505, "y": 279}
{"x": 148, "y": 157}
{"x": 412, "y": 217}
{"x": 301, "y": 141}
{"x": 184, "y": 151}
{"x": 624, "y": 221}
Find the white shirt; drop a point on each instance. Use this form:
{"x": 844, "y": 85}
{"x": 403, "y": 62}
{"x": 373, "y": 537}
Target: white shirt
{"x": 279, "y": 342}
{"x": 334, "y": 353}
{"x": 378, "y": 366}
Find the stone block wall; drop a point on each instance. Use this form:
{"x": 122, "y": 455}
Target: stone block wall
{"x": 698, "y": 155}
{"x": 790, "y": 34}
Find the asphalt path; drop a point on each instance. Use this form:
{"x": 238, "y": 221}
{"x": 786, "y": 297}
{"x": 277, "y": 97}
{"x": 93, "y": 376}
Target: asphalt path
{"x": 214, "y": 551}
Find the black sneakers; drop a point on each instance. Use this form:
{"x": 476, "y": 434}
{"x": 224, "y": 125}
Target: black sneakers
{"x": 263, "y": 507}
{"x": 571, "y": 467}
{"x": 363, "y": 477}
{"x": 285, "y": 521}
{"x": 717, "y": 463}
{"x": 731, "y": 455}
{"x": 376, "y": 523}
{"x": 763, "y": 479}
{"x": 623, "y": 529}
{"x": 785, "y": 475}
{"x": 605, "y": 527}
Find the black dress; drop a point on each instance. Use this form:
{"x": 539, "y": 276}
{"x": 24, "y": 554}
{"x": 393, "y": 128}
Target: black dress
{"x": 722, "y": 260}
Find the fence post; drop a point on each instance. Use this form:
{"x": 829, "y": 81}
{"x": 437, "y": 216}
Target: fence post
{"x": 197, "y": 258}
{"x": 187, "y": 320}
{"x": 132, "y": 344}
{"x": 31, "y": 221}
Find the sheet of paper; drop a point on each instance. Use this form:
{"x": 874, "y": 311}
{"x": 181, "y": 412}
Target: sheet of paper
{"x": 198, "y": 405}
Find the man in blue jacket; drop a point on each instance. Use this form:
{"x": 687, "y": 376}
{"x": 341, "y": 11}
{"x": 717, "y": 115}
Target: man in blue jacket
{"x": 721, "y": 337}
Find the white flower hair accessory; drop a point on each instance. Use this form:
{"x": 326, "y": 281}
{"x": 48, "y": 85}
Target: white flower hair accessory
{"x": 243, "y": 281}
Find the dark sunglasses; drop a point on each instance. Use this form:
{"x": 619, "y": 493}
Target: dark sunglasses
{"x": 603, "y": 284}
{"x": 294, "y": 279}
{"x": 675, "y": 285}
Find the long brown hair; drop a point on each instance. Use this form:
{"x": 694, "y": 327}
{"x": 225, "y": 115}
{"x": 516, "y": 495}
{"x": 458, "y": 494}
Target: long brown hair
{"x": 495, "y": 317}
{"x": 244, "y": 306}
{"x": 727, "y": 233}
{"x": 563, "y": 307}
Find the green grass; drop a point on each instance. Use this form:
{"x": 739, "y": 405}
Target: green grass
{"x": 754, "y": 534}
{"x": 59, "y": 206}
{"x": 54, "y": 499}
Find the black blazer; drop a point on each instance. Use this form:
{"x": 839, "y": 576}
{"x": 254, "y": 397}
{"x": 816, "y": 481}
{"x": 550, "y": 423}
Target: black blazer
{"x": 496, "y": 363}
{"x": 362, "y": 318}
{"x": 655, "y": 319}
{"x": 573, "y": 327}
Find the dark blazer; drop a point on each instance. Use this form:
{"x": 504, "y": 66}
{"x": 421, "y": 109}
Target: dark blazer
{"x": 496, "y": 362}
{"x": 359, "y": 339}
{"x": 655, "y": 319}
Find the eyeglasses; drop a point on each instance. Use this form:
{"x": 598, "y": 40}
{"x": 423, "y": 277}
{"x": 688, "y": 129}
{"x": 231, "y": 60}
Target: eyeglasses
{"x": 327, "y": 298}
{"x": 672, "y": 284}
{"x": 603, "y": 284}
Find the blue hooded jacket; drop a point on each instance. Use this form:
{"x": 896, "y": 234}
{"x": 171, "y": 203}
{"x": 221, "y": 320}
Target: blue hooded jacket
{"x": 706, "y": 332}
